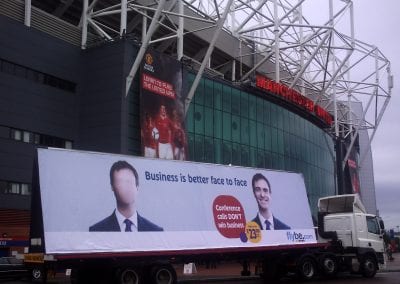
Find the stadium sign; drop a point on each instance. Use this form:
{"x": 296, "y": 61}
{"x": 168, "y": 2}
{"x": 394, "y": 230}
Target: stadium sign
{"x": 293, "y": 96}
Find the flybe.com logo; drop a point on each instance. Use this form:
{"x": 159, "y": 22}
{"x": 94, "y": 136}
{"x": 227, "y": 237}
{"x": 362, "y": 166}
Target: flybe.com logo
{"x": 298, "y": 237}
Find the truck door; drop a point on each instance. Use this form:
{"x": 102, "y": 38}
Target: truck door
{"x": 375, "y": 239}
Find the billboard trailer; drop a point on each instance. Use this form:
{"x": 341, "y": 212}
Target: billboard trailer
{"x": 111, "y": 218}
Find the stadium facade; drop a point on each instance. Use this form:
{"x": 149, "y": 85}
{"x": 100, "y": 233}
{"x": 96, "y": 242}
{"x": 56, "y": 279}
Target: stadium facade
{"x": 69, "y": 81}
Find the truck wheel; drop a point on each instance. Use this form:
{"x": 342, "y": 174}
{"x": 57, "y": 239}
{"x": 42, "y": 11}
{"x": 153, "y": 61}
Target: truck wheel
{"x": 306, "y": 268}
{"x": 163, "y": 274}
{"x": 329, "y": 265}
{"x": 368, "y": 267}
{"x": 36, "y": 274}
{"x": 128, "y": 275}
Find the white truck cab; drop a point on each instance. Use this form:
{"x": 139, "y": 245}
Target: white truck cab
{"x": 356, "y": 230}
{"x": 344, "y": 220}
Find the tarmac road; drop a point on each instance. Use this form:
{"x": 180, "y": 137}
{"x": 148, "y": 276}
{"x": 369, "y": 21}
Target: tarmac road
{"x": 381, "y": 278}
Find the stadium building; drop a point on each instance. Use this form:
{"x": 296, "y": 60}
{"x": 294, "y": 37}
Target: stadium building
{"x": 261, "y": 85}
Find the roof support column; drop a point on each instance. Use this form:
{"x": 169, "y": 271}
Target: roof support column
{"x": 206, "y": 58}
{"x": 301, "y": 32}
{"x": 233, "y": 70}
{"x": 28, "y": 13}
{"x": 144, "y": 26}
{"x": 143, "y": 47}
{"x": 378, "y": 120}
{"x": 84, "y": 23}
{"x": 331, "y": 56}
{"x": 362, "y": 119}
{"x": 276, "y": 32}
{"x": 180, "y": 31}
{"x": 124, "y": 12}
{"x": 349, "y": 94}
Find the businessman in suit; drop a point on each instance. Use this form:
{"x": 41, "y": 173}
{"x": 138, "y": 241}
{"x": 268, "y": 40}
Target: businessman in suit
{"x": 263, "y": 195}
{"x": 124, "y": 181}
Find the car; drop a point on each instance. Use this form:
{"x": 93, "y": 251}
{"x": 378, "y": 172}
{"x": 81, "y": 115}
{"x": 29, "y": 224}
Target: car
{"x": 13, "y": 268}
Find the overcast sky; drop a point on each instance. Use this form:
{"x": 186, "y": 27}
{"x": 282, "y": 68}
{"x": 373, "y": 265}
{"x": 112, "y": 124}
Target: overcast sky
{"x": 377, "y": 22}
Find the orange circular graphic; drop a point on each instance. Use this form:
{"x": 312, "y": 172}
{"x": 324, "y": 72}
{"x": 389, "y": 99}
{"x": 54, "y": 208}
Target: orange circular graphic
{"x": 253, "y": 232}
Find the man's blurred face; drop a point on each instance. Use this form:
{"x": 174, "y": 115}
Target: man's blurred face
{"x": 124, "y": 187}
{"x": 163, "y": 111}
{"x": 262, "y": 193}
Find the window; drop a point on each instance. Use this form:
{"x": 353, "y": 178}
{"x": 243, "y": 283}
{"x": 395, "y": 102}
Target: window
{"x": 217, "y": 124}
{"x": 3, "y": 186}
{"x": 208, "y": 121}
{"x": 25, "y": 189}
{"x": 26, "y": 137}
{"x": 68, "y": 144}
{"x": 36, "y": 76}
{"x": 14, "y": 188}
{"x": 199, "y": 119}
{"x": 372, "y": 225}
{"x": 208, "y": 93}
{"x": 218, "y": 96}
{"x": 35, "y": 138}
{"x": 16, "y": 134}
{"x": 10, "y": 187}
{"x": 199, "y": 94}
{"x": 226, "y": 126}
{"x": 235, "y": 128}
{"x": 226, "y": 99}
{"x": 235, "y": 101}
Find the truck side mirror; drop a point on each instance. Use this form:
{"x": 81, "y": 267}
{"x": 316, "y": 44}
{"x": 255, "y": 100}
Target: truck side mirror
{"x": 381, "y": 224}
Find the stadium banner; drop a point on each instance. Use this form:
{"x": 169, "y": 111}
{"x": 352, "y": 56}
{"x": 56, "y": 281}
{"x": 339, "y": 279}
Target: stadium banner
{"x": 163, "y": 133}
{"x": 96, "y": 202}
{"x": 353, "y": 171}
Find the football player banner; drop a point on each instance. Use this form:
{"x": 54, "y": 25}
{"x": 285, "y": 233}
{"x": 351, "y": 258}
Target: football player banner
{"x": 353, "y": 172}
{"x": 163, "y": 133}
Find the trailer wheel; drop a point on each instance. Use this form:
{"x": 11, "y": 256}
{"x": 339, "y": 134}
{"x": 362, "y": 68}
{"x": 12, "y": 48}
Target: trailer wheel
{"x": 306, "y": 268}
{"x": 368, "y": 267}
{"x": 128, "y": 275}
{"x": 329, "y": 265}
{"x": 163, "y": 274}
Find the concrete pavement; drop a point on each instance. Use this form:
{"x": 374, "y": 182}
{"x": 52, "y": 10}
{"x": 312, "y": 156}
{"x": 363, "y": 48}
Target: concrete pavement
{"x": 393, "y": 265}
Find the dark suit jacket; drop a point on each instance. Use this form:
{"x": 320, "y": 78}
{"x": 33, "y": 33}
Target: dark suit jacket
{"x": 278, "y": 225}
{"x": 110, "y": 224}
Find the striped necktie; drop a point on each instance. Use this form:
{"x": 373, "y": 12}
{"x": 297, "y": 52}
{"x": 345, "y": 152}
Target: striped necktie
{"x": 267, "y": 225}
{"x": 128, "y": 225}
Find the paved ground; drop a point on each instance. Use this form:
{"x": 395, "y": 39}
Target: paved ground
{"x": 393, "y": 265}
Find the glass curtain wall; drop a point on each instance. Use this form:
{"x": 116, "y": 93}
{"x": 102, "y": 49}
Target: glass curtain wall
{"x": 228, "y": 126}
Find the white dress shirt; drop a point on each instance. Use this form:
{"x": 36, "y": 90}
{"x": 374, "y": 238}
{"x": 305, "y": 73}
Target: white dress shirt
{"x": 270, "y": 220}
{"x": 121, "y": 218}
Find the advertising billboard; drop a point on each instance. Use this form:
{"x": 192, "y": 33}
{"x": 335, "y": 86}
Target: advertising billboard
{"x": 163, "y": 131}
{"x": 95, "y": 202}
